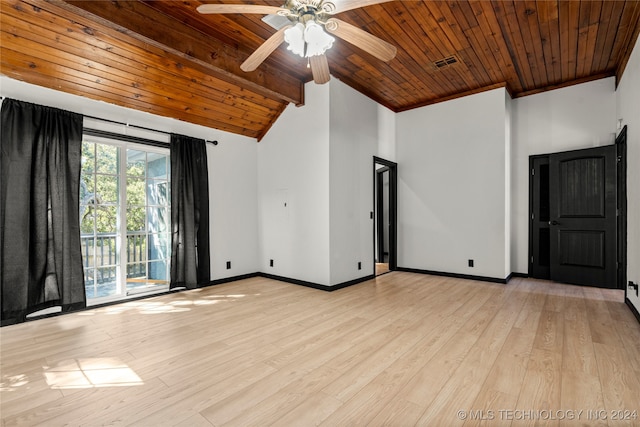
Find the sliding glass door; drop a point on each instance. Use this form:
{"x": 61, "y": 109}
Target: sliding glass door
{"x": 124, "y": 218}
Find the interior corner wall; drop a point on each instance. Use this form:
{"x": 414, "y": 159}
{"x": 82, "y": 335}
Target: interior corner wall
{"x": 628, "y": 110}
{"x": 452, "y": 169}
{"x": 293, "y": 191}
{"x": 508, "y": 178}
{"x": 353, "y": 144}
{"x": 571, "y": 118}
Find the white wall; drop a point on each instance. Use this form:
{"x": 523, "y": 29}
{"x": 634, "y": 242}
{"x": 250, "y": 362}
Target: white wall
{"x": 353, "y": 143}
{"x": 293, "y": 170}
{"x": 232, "y": 171}
{"x": 318, "y": 159}
{"x": 463, "y": 168}
{"x": 628, "y": 109}
{"x": 571, "y": 118}
{"x": 452, "y": 186}
{"x": 386, "y": 134}
{"x": 233, "y": 206}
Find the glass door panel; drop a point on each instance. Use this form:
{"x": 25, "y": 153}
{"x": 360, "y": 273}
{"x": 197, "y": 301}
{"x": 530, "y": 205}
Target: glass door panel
{"x": 124, "y": 218}
{"x": 147, "y": 220}
{"x": 99, "y": 219}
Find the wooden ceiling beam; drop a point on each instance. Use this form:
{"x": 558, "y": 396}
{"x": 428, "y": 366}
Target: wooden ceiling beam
{"x": 138, "y": 20}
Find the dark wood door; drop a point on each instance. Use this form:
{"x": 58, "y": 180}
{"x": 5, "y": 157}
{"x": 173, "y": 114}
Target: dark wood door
{"x": 583, "y": 223}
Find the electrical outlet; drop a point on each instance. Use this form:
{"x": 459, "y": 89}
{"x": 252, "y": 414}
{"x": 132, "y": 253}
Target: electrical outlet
{"x": 359, "y": 265}
{"x": 270, "y": 263}
{"x": 228, "y": 265}
{"x": 470, "y": 263}
{"x": 633, "y": 286}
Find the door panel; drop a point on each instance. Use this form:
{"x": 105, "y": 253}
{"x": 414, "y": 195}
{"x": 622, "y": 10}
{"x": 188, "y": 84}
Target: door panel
{"x": 582, "y": 192}
{"x": 582, "y": 248}
{"x": 583, "y": 217}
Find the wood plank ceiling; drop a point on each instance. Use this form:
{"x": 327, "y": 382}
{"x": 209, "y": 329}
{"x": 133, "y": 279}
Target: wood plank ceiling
{"x": 165, "y": 58}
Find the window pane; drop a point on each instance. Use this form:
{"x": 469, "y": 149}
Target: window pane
{"x": 106, "y": 250}
{"x": 158, "y": 219}
{"x": 157, "y": 192}
{"x": 88, "y": 158}
{"x": 158, "y": 270}
{"x": 157, "y": 165}
{"x": 158, "y": 246}
{"x": 136, "y": 161}
{"x": 87, "y": 190}
{"x": 106, "y": 190}
{"x": 87, "y": 217}
{"x": 107, "y": 219}
{"x": 136, "y": 247}
{"x": 105, "y": 282}
{"x": 137, "y": 270}
{"x": 89, "y": 282}
{"x": 135, "y": 192}
{"x": 107, "y": 159}
{"x": 136, "y": 219}
{"x": 87, "y": 246}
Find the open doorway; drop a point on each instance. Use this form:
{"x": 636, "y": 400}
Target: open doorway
{"x": 385, "y": 210}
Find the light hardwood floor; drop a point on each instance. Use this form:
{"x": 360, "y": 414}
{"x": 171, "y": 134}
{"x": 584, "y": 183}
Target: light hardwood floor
{"x": 401, "y": 350}
{"x": 382, "y": 268}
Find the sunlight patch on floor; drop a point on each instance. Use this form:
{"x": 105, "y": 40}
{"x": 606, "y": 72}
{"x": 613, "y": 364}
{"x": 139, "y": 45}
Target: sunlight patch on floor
{"x": 12, "y": 382}
{"x": 160, "y": 307}
{"x": 91, "y": 373}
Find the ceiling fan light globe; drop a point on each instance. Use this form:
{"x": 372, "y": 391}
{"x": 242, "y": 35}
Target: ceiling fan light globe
{"x": 294, "y": 37}
{"x": 318, "y": 41}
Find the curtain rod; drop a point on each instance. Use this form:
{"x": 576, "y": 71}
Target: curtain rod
{"x": 214, "y": 142}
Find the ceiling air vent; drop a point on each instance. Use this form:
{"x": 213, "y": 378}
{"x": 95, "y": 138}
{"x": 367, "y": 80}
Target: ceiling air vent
{"x": 445, "y": 62}
{"x": 276, "y": 21}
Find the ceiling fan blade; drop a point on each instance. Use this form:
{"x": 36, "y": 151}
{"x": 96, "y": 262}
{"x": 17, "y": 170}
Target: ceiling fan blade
{"x": 344, "y": 5}
{"x": 240, "y": 8}
{"x": 320, "y": 69}
{"x": 360, "y": 38}
{"x": 264, "y": 50}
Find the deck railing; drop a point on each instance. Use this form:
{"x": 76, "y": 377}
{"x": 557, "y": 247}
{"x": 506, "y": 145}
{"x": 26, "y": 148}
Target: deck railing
{"x": 106, "y": 255}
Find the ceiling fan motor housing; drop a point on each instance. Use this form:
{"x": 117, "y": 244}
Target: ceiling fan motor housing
{"x": 309, "y": 10}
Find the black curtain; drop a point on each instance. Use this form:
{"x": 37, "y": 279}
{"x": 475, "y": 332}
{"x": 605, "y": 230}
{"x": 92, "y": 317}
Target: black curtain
{"x": 40, "y": 258}
{"x": 189, "y": 213}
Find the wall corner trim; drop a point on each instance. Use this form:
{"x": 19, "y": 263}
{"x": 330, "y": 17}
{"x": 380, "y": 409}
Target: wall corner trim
{"x": 457, "y": 275}
{"x": 231, "y": 279}
{"x": 514, "y": 274}
{"x": 633, "y": 309}
{"x": 317, "y": 285}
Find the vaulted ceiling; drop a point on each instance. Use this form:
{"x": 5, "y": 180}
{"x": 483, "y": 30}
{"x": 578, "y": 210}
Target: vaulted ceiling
{"x": 165, "y": 58}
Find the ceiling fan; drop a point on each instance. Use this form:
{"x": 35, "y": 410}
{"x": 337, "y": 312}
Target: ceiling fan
{"x": 308, "y": 33}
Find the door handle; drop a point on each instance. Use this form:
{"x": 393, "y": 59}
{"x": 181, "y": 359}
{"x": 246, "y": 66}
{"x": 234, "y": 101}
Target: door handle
{"x": 554, "y": 222}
